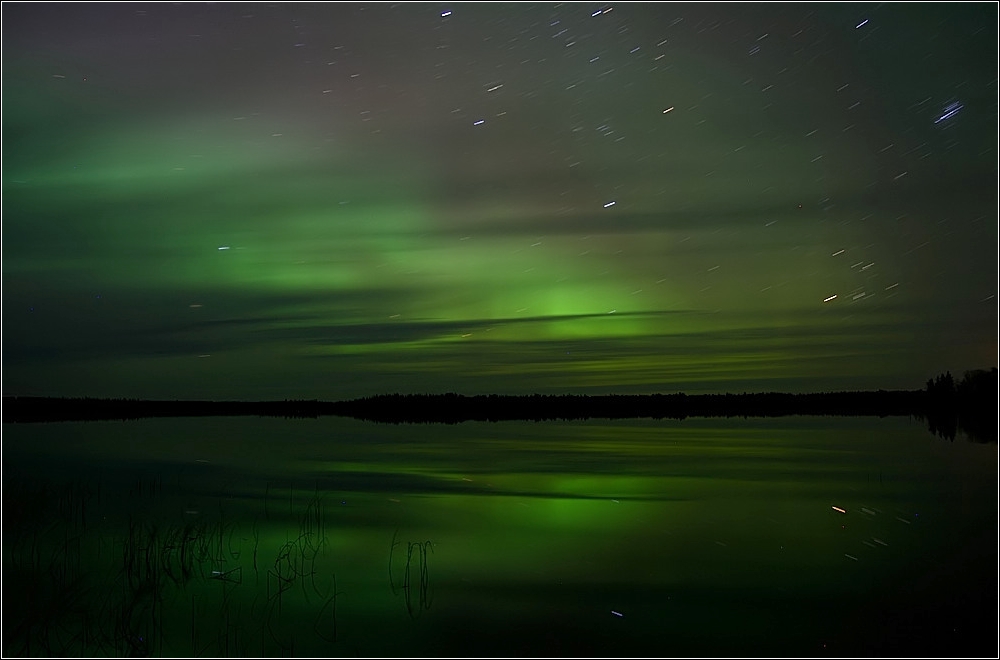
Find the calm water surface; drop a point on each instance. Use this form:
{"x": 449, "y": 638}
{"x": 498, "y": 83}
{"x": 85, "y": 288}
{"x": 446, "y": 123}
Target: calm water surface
{"x": 333, "y": 537}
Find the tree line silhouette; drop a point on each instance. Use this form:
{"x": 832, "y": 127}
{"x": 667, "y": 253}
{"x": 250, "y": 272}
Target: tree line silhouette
{"x": 946, "y": 406}
{"x": 969, "y": 405}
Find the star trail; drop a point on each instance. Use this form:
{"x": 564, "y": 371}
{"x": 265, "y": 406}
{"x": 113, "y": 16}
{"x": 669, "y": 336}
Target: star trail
{"x": 335, "y": 200}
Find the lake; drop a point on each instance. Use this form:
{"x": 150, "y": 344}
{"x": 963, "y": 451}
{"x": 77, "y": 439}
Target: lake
{"x": 804, "y": 536}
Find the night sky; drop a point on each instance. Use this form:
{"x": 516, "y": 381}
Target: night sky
{"x": 262, "y": 201}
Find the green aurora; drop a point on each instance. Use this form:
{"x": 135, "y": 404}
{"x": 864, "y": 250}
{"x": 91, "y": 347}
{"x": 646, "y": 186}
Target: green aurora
{"x": 253, "y": 201}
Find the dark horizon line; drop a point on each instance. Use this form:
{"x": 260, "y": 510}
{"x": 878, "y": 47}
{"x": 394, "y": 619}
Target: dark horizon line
{"x": 946, "y": 408}
{"x": 980, "y": 373}
{"x": 18, "y": 400}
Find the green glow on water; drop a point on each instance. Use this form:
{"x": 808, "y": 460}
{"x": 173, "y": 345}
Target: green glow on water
{"x": 423, "y": 532}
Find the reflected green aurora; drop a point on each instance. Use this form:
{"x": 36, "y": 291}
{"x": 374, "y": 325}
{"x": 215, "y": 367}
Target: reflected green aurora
{"x": 798, "y": 537}
{"x": 252, "y": 201}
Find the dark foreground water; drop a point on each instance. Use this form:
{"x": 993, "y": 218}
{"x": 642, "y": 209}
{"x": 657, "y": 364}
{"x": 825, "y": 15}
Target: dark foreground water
{"x": 334, "y": 537}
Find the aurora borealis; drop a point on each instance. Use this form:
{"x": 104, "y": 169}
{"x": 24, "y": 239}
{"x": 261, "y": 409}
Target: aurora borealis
{"x": 337, "y": 200}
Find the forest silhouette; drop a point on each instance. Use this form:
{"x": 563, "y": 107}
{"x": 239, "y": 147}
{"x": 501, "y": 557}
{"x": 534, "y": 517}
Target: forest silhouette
{"x": 947, "y": 406}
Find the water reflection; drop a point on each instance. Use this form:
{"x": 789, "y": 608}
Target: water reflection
{"x": 334, "y": 537}
{"x": 416, "y": 562}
